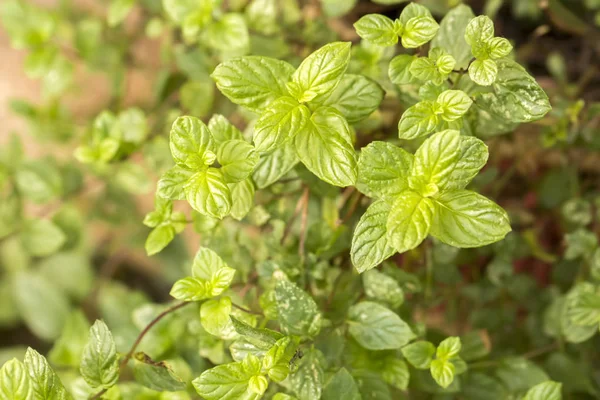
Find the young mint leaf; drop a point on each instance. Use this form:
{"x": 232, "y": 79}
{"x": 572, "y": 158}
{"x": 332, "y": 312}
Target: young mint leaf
{"x": 228, "y": 35}
{"x": 223, "y": 130}
{"x": 370, "y": 246}
{"x": 211, "y": 268}
{"x": 237, "y": 159}
{"x": 395, "y": 372}
{"x": 436, "y": 67}
{"x": 42, "y": 237}
{"x": 99, "y": 363}
{"x": 419, "y": 354}
{"x": 451, "y": 34}
{"x": 383, "y": 288}
{"x": 277, "y": 360}
{"x": 190, "y": 140}
{"x": 418, "y": 31}
{"x": 325, "y": 148}
{"x": 208, "y": 193}
{"x": 375, "y": 327}
{"x": 264, "y": 339}
{"x": 242, "y": 195}
{"x": 473, "y": 156}
{"x": 454, "y": 104}
{"x": 159, "y": 238}
{"x": 68, "y": 348}
{"x": 356, "y": 97}
{"x": 307, "y": 381}
{"x": 480, "y": 29}
{"x": 298, "y": 312}
{"x": 171, "y": 183}
{"x": 44, "y": 382}
{"x": 483, "y": 72}
{"x": 230, "y": 381}
{"x": 545, "y": 391}
{"x": 448, "y": 348}
{"x": 399, "y": 69}
{"x": 377, "y": 29}
{"x": 214, "y": 315}
{"x": 418, "y": 120}
{"x": 190, "y": 289}
{"x": 468, "y": 219}
{"x": 321, "y": 72}
{"x": 435, "y": 160}
{"x": 281, "y": 122}
{"x": 584, "y": 309}
{"x": 409, "y": 221}
{"x": 14, "y": 381}
{"x": 413, "y": 10}
{"x": 253, "y": 81}
{"x": 118, "y": 11}
{"x": 499, "y": 48}
{"x": 443, "y": 372}
{"x": 273, "y": 165}
{"x": 156, "y": 375}
{"x": 341, "y": 386}
{"x": 383, "y": 170}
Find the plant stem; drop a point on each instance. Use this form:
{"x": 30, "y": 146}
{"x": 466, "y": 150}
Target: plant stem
{"x": 143, "y": 333}
{"x": 246, "y": 310}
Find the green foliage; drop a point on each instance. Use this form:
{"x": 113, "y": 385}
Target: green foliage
{"x": 330, "y": 169}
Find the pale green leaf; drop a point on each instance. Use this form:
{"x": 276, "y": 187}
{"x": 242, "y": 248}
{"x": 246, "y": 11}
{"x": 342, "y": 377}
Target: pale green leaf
{"x": 171, "y": 183}
{"x": 483, "y": 72}
{"x": 479, "y": 29}
{"x": 275, "y": 164}
{"x": 14, "y": 381}
{"x": 418, "y": 120}
{"x": 212, "y": 269}
{"x": 370, "y": 245}
{"x": 468, "y": 219}
{"x": 208, "y": 193}
{"x": 545, "y": 391}
{"x": 399, "y": 69}
{"x": 383, "y": 288}
{"x": 307, "y": 381}
{"x": 473, "y": 156}
{"x": 443, "y": 372}
{"x": 190, "y": 289}
{"x": 277, "y": 359}
{"x": 356, "y": 97}
{"x": 159, "y": 238}
{"x": 214, "y": 315}
{"x": 419, "y": 354}
{"x": 341, "y": 386}
{"x": 44, "y": 383}
{"x": 99, "y": 363}
{"x": 409, "y": 220}
{"x": 42, "y": 237}
{"x": 69, "y": 346}
{"x": 451, "y": 36}
{"x": 375, "y": 327}
{"x": 237, "y": 159}
{"x": 223, "y": 130}
{"x": 499, "y": 48}
{"x": 325, "y": 148}
{"x": 229, "y": 381}
{"x": 418, "y": 31}
{"x": 228, "y": 35}
{"x": 242, "y": 195}
{"x": 383, "y": 170}
{"x": 281, "y": 122}
{"x": 190, "y": 140}
{"x": 118, "y": 11}
{"x": 377, "y": 29}
{"x": 436, "y": 158}
{"x": 395, "y": 372}
{"x": 253, "y": 81}
{"x": 454, "y": 104}
{"x": 298, "y": 313}
{"x": 449, "y": 347}
{"x": 156, "y": 375}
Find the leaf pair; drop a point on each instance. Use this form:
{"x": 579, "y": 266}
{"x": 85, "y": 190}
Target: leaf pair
{"x": 415, "y": 27}
{"x": 486, "y": 48}
{"x": 423, "y": 194}
{"x": 303, "y": 111}
{"x": 195, "y": 147}
{"x": 443, "y": 362}
{"x": 211, "y": 276}
{"x": 436, "y": 67}
{"x": 166, "y": 224}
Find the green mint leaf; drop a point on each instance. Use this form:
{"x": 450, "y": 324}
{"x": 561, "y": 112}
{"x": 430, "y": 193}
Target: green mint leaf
{"x": 159, "y": 238}
{"x": 451, "y": 36}
{"x": 38, "y": 181}
{"x": 443, "y": 372}
{"x": 307, "y": 381}
{"x": 370, "y": 245}
{"x": 418, "y": 120}
{"x": 418, "y": 31}
{"x": 298, "y": 312}
{"x": 44, "y": 383}
{"x": 277, "y": 360}
{"x": 325, "y": 148}
{"x": 190, "y": 141}
{"x": 156, "y": 375}
{"x": 448, "y": 348}
{"x": 383, "y": 288}
{"x": 468, "y": 219}
{"x": 68, "y": 348}
{"x": 395, "y": 372}
{"x": 208, "y": 193}
{"x": 545, "y": 391}
{"x": 99, "y": 363}
{"x": 341, "y": 386}
{"x": 423, "y": 68}
{"x": 454, "y": 104}
{"x": 211, "y": 268}
{"x": 473, "y": 156}
{"x": 171, "y": 183}
{"x": 273, "y": 165}
{"x": 409, "y": 221}
{"x": 252, "y": 81}
{"x": 499, "y": 48}
{"x": 189, "y": 289}
{"x": 42, "y": 237}
{"x": 516, "y": 95}
{"x": 229, "y": 381}
{"x": 281, "y": 122}
{"x": 375, "y": 327}
{"x": 383, "y": 170}
{"x": 356, "y": 97}
{"x": 214, "y": 316}
{"x": 242, "y": 195}
{"x": 480, "y": 29}
{"x": 483, "y": 72}
{"x": 377, "y": 29}
{"x": 584, "y": 309}
{"x": 223, "y": 130}
{"x": 321, "y": 71}
{"x": 399, "y": 69}
{"x": 14, "y": 381}
{"x": 264, "y": 339}
{"x": 229, "y": 35}
{"x": 237, "y": 159}
{"x": 419, "y": 354}
{"x": 435, "y": 161}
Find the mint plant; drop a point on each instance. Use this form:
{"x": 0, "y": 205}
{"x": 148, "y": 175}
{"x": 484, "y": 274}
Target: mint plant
{"x": 302, "y": 206}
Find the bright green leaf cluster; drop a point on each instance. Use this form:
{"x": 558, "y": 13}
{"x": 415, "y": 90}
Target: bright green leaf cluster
{"x": 165, "y": 223}
{"x": 443, "y": 362}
